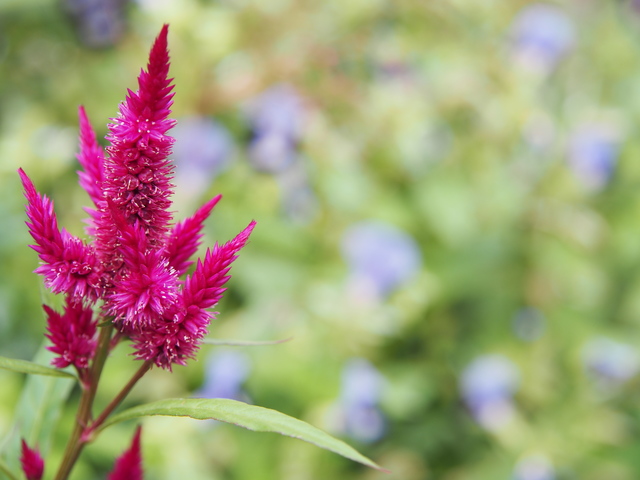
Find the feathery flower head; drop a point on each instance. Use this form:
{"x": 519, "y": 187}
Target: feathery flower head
{"x": 32, "y": 463}
{"x": 68, "y": 264}
{"x": 137, "y": 172}
{"x": 136, "y": 259}
{"x": 129, "y": 465}
{"x": 72, "y": 333}
{"x": 176, "y": 337}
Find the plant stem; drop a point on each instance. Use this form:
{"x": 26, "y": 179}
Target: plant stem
{"x": 83, "y": 417}
{"x": 144, "y": 368}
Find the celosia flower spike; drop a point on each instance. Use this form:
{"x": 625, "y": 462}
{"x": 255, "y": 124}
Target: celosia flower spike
{"x": 135, "y": 262}
{"x": 73, "y": 335}
{"x": 68, "y": 264}
{"x": 138, "y": 172}
{"x": 129, "y": 465}
{"x": 184, "y": 238}
{"x": 177, "y": 336}
{"x": 91, "y": 158}
{"x": 148, "y": 287}
{"x": 204, "y": 288}
{"x": 31, "y": 462}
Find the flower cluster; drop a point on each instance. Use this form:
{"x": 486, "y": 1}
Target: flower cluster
{"x": 136, "y": 260}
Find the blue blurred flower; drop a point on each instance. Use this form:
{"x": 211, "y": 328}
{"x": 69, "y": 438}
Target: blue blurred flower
{"x": 534, "y": 467}
{"x": 278, "y": 110}
{"x": 611, "y": 363}
{"x": 271, "y": 153}
{"x": 380, "y": 256}
{"x": 360, "y": 417}
{"x": 100, "y": 23}
{"x": 542, "y": 35}
{"x": 487, "y": 385}
{"x": 225, "y": 372}
{"x": 203, "y": 149}
{"x": 593, "y": 152}
{"x": 275, "y": 119}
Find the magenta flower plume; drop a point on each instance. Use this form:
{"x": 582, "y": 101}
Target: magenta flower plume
{"x": 91, "y": 158}
{"x": 136, "y": 260}
{"x": 137, "y": 173}
{"x": 150, "y": 285}
{"x": 129, "y": 465}
{"x": 176, "y": 337}
{"x": 32, "y": 463}
{"x": 68, "y": 265}
{"x": 73, "y": 335}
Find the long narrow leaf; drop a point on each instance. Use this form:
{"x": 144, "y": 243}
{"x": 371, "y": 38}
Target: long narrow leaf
{"x": 23, "y": 366}
{"x": 243, "y": 415}
{"x": 4, "y": 469}
{"x": 38, "y": 409}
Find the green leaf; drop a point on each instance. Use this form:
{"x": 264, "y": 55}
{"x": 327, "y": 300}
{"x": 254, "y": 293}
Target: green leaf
{"x": 243, "y": 415}
{"x": 23, "y": 366}
{"x": 38, "y": 409}
{"x": 4, "y": 468}
{"x": 242, "y": 343}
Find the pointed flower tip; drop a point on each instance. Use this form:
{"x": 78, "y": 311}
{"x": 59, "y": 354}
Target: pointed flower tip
{"x": 26, "y": 181}
{"x": 129, "y": 465}
{"x": 247, "y": 231}
{"x": 161, "y": 42}
{"x": 31, "y": 462}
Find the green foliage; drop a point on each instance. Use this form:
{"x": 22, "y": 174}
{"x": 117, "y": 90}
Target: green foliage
{"x": 23, "y": 366}
{"x": 243, "y": 415}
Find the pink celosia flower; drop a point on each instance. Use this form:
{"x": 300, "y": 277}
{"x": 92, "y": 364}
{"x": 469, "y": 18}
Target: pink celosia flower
{"x": 129, "y": 465}
{"x": 91, "y": 158}
{"x": 150, "y": 285}
{"x": 137, "y": 173}
{"x": 136, "y": 259}
{"x": 176, "y": 336}
{"x": 73, "y": 334}
{"x": 68, "y": 265}
{"x": 32, "y": 463}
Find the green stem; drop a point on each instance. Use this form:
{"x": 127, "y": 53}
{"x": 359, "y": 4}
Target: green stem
{"x": 76, "y": 443}
{"x": 144, "y": 368}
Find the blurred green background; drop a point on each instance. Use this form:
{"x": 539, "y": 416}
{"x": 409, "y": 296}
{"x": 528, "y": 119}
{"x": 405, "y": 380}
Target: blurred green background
{"x": 448, "y": 207}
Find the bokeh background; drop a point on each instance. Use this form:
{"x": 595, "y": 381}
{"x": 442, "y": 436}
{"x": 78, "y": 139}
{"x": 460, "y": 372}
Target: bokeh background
{"x": 448, "y": 207}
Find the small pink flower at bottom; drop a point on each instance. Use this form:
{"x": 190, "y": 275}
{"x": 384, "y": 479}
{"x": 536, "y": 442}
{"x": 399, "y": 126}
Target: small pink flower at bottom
{"x": 72, "y": 333}
{"x": 128, "y": 466}
{"x": 32, "y": 463}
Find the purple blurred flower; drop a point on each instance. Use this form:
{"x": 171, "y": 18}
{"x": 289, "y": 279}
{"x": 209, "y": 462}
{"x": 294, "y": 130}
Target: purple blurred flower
{"x": 487, "y": 385}
{"x": 534, "y": 467}
{"x": 610, "y": 362}
{"x": 381, "y": 257}
{"x": 203, "y": 149}
{"x": 279, "y": 110}
{"x": 592, "y": 155}
{"x": 203, "y": 145}
{"x": 100, "y": 23}
{"x": 542, "y": 35}
{"x": 226, "y": 371}
{"x": 272, "y": 153}
{"x": 275, "y": 118}
{"x": 360, "y": 417}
